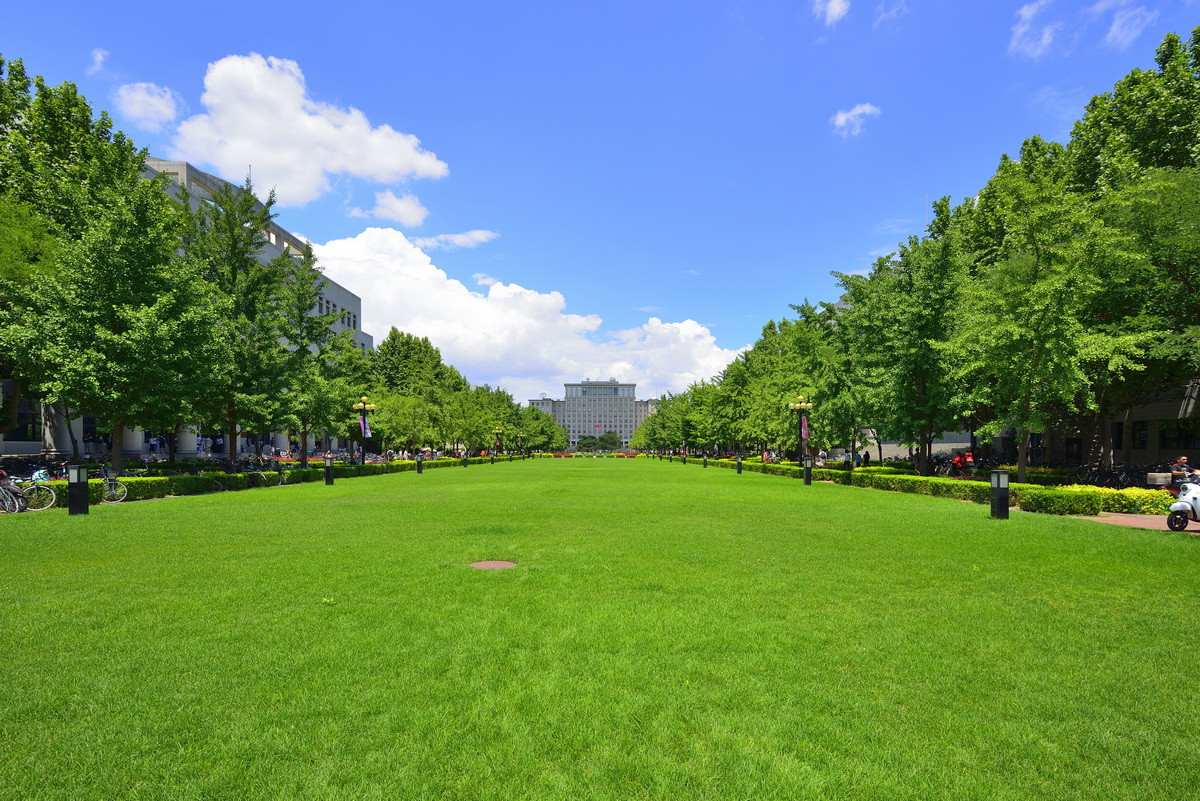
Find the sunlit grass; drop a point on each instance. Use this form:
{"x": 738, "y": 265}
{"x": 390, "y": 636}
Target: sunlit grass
{"x": 669, "y": 632}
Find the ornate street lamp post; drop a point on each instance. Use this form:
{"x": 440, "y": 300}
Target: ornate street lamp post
{"x": 496, "y": 432}
{"x": 801, "y": 407}
{"x": 364, "y": 409}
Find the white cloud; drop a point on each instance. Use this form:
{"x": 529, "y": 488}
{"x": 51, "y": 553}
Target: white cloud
{"x": 850, "y": 123}
{"x": 406, "y": 209}
{"x": 149, "y": 105}
{"x": 830, "y": 11}
{"x": 259, "y": 113}
{"x": 889, "y": 11}
{"x": 895, "y": 225}
{"x": 1127, "y": 25}
{"x": 469, "y": 239}
{"x": 507, "y": 335}
{"x": 1028, "y": 38}
{"x": 98, "y": 56}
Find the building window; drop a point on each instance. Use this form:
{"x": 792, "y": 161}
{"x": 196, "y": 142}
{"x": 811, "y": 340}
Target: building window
{"x": 1179, "y": 434}
{"x": 29, "y": 418}
{"x": 1140, "y": 435}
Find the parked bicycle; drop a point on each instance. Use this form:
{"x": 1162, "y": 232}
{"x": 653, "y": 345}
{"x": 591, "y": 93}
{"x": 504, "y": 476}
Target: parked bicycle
{"x": 12, "y": 497}
{"x": 113, "y": 490}
{"x": 39, "y": 495}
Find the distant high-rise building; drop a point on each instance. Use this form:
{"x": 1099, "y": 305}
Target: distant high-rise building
{"x": 592, "y": 408}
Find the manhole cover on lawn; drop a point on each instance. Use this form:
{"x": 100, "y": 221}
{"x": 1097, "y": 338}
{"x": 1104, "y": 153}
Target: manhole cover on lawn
{"x": 492, "y": 565}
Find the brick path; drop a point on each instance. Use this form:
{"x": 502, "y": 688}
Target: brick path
{"x": 1158, "y": 522}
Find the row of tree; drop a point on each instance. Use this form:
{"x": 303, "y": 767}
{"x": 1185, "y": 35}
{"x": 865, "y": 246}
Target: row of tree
{"x": 1061, "y": 294}
{"x": 122, "y": 300}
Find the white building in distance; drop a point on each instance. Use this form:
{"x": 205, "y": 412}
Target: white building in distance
{"x": 592, "y": 408}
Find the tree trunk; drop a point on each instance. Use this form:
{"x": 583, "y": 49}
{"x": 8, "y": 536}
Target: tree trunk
{"x": 231, "y": 442}
{"x": 118, "y": 448}
{"x": 305, "y": 429}
{"x": 71, "y": 434}
{"x": 173, "y": 443}
{"x": 1099, "y": 441}
{"x": 1022, "y": 453}
{"x": 1126, "y": 435}
{"x": 924, "y": 466}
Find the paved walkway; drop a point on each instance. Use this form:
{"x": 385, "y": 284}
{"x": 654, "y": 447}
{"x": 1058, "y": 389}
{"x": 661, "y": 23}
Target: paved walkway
{"x": 1158, "y": 522}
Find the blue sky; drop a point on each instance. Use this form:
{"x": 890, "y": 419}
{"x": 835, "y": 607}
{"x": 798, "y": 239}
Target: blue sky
{"x": 558, "y": 191}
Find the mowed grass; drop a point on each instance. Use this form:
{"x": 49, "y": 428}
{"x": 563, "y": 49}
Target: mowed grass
{"x": 670, "y": 632}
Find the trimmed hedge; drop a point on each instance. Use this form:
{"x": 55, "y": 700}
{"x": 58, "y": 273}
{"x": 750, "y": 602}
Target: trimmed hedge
{"x": 140, "y": 488}
{"x": 1029, "y": 497}
{"x": 1056, "y": 502}
{"x": 1128, "y": 501}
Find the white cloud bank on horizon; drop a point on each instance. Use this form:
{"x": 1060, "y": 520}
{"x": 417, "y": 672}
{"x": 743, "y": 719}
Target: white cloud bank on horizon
{"x": 509, "y": 336}
{"x": 259, "y": 113}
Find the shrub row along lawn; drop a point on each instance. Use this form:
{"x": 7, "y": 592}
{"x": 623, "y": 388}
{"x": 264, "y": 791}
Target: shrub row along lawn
{"x": 1060, "y": 500}
{"x": 142, "y": 488}
{"x": 668, "y": 633}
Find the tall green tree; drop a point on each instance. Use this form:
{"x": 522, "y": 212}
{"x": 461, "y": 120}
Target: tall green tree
{"x": 28, "y": 263}
{"x": 1024, "y": 337}
{"x": 1150, "y": 119}
{"x": 224, "y": 240}
{"x": 900, "y": 311}
{"x": 62, "y": 164}
{"x": 126, "y": 330}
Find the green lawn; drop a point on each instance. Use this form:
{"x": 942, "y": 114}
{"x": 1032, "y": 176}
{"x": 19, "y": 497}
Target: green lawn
{"x": 670, "y": 632}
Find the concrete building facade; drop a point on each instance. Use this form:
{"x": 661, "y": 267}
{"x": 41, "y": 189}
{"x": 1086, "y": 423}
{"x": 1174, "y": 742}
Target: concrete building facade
{"x": 592, "y": 408}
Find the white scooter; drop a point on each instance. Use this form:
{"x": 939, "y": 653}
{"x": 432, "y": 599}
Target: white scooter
{"x": 1186, "y": 508}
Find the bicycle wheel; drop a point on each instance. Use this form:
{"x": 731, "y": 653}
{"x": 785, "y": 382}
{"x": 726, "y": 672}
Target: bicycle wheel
{"x": 18, "y": 499}
{"x": 114, "y": 491}
{"x": 283, "y": 477}
{"x": 217, "y": 486}
{"x": 7, "y": 503}
{"x": 255, "y": 479}
{"x": 39, "y": 497}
